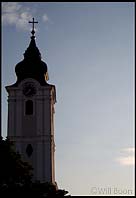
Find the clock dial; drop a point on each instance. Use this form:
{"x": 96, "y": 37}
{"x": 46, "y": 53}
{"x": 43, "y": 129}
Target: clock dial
{"x": 29, "y": 89}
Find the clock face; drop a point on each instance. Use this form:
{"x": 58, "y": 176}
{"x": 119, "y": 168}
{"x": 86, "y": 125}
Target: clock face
{"x": 29, "y": 89}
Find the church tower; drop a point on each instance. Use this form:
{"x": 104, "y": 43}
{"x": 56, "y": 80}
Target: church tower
{"x": 31, "y": 113}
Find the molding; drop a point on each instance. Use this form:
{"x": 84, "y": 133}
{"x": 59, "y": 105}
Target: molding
{"x": 42, "y": 138}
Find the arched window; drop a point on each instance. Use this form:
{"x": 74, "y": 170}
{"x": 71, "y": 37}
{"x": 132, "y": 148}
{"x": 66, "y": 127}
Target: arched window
{"x": 29, "y": 107}
{"x": 29, "y": 150}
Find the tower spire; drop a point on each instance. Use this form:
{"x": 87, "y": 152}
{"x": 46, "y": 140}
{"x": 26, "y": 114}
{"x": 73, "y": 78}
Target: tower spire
{"x": 33, "y": 22}
{"x": 32, "y": 66}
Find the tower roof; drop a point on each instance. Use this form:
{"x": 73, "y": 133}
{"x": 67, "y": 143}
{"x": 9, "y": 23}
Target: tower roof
{"x": 32, "y": 66}
{"x": 32, "y": 51}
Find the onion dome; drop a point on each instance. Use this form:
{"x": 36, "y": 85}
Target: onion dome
{"x": 32, "y": 66}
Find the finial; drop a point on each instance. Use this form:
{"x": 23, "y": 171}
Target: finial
{"x": 33, "y": 22}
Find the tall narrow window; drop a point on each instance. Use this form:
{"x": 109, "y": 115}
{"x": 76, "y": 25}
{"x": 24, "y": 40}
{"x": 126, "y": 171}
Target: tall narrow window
{"x": 29, "y": 107}
{"x": 29, "y": 150}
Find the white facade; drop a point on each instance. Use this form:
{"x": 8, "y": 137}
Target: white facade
{"x": 33, "y": 132}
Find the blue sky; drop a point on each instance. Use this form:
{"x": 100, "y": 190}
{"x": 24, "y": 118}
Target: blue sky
{"x": 89, "y": 50}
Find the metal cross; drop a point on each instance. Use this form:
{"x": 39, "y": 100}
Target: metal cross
{"x": 33, "y": 22}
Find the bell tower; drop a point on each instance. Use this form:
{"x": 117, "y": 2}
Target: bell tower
{"x": 31, "y": 113}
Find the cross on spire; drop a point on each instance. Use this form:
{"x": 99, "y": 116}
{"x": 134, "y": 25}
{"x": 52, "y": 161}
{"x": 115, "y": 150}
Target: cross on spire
{"x": 33, "y": 22}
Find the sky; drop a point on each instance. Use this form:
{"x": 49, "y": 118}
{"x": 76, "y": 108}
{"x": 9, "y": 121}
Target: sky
{"x": 89, "y": 50}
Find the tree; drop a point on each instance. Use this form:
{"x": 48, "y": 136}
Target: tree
{"x": 16, "y": 176}
{"x": 12, "y": 168}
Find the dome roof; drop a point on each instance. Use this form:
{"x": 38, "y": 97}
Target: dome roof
{"x": 32, "y": 66}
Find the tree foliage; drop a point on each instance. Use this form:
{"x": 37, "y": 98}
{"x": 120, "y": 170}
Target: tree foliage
{"x": 12, "y": 168}
{"x": 16, "y": 176}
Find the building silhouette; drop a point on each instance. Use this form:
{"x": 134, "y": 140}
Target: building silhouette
{"x": 31, "y": 113}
